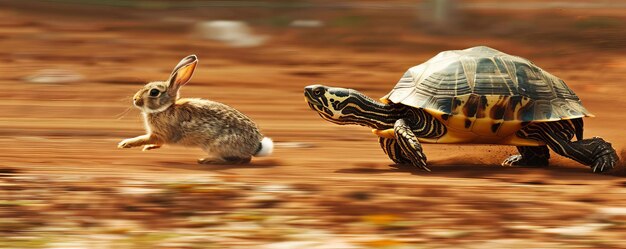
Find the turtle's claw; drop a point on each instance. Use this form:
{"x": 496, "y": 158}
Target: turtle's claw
{"x": 606, "y": 157}
{"x": 604, "y": 163}
{"x": 421, "y": 160}
{"x": 424, "y": 168}
{"x": 512, "y": 160}
{"x": 526, "y": 160}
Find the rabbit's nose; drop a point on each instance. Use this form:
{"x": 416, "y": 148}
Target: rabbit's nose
{"x": 138, "y": 102}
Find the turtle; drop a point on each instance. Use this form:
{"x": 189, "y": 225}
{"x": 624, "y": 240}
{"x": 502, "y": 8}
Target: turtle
{"x": 477, "y": 95}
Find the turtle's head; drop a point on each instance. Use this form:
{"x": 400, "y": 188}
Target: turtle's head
{"x": 346, "y": 106}
{"x": 327, "y": 101}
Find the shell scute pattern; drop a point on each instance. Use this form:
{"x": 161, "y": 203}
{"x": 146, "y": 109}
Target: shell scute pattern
{"x": 484, "y": 83}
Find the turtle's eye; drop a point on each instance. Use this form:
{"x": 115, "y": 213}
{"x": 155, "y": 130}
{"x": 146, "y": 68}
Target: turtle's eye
{"x": 154, "y": 92}
{"x": 318, "y": 91}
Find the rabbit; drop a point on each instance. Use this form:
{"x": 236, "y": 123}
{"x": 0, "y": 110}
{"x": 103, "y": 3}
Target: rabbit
{"x": 227, "y": 135}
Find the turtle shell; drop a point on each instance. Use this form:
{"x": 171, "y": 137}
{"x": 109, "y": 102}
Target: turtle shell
{"x": 482, "y": 82}
{"x": 485, "y": 96}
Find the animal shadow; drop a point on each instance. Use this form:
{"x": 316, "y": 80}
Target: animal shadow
{"x": 255, "y": 164}
{"x": 488, "y": 171}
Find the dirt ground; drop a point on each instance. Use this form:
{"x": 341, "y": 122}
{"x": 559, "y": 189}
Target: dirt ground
{"x": 64, "y": 184}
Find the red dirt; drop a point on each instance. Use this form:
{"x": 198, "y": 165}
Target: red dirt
{"x": 60, "y": 167}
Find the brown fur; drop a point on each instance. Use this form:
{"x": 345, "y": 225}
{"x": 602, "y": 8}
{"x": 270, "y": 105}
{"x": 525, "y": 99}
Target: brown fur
{"x": 215, "y": 127}
{"x": 226, "y": 134}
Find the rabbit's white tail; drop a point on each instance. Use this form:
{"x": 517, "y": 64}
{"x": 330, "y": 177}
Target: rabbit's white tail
{"x": 266, "y": 147}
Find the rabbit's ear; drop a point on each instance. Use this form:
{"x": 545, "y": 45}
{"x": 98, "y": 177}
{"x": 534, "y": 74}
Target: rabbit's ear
{"x": 182, "y": 72}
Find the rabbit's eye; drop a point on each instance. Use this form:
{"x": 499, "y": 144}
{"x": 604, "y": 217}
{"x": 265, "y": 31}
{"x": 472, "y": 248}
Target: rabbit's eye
{"x": 154, "y": 92}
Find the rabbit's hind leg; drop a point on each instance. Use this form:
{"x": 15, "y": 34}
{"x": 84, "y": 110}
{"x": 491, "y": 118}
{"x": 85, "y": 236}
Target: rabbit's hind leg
{"x": 224, "y": 160}
{"x": 221, "y": 152}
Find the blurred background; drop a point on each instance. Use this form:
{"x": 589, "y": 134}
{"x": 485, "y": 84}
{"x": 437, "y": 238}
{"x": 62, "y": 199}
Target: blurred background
{"x": 69, "y": 69}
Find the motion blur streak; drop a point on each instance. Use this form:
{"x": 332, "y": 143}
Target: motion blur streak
{"x": 67, "y": 69}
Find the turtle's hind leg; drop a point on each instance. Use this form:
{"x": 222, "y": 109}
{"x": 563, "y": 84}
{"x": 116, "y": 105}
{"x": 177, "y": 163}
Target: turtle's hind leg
{"x": 410, "y": 146}
{"x": 595, "y": 152}
{"x": 599, "y": 154}
{"x": 529, "y": 156}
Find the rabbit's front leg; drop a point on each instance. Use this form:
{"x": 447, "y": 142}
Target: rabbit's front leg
{"x": 139, "y": 141}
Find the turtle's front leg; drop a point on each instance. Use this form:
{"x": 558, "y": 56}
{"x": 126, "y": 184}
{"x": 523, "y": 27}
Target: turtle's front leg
{"x": 410, "y": 146}
{"x": 392, "y": 149}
